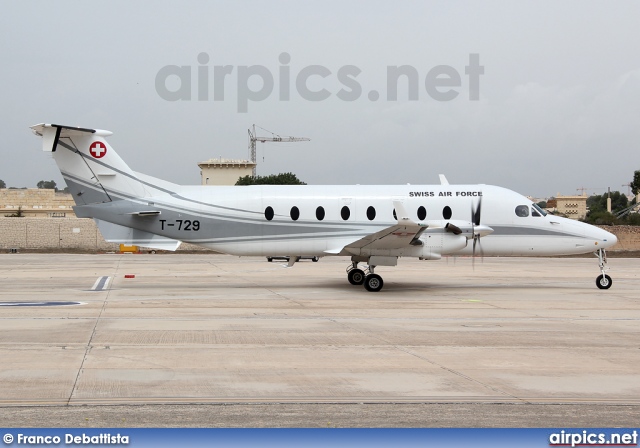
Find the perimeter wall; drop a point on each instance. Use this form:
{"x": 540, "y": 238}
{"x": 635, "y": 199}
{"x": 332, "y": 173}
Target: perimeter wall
{"x": 57, "y": 234}
{"x": 83, "y": 234}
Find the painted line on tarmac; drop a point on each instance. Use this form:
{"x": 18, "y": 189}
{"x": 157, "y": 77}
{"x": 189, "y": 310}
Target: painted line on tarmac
{"x": 101, "y": 284}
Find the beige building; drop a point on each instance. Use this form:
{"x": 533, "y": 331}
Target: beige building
{"x": 574, "y": 207}
{"x": 36, "y": 203}
{"x": 224, "y": 171}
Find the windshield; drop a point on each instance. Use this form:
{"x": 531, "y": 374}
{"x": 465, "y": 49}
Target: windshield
{"x": 537, "y": 207}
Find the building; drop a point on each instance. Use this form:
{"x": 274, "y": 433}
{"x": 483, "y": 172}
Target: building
{"x": 574, "y": 207}
{"x": 36, "y": 203}
{"x": 224, "y": 171}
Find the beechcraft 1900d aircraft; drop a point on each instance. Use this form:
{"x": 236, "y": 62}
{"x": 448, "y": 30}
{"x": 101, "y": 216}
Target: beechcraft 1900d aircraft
{"x": 374, "y": 225}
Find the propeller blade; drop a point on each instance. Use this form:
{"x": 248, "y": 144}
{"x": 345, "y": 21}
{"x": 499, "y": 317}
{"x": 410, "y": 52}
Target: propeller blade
{"x": 475, "y": 215}
{"x": 475, "y": 221}
{"x": 473, "y": 256}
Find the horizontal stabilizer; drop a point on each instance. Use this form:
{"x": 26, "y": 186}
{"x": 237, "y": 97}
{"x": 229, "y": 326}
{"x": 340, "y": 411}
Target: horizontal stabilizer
{"x": 114, "y": 233}
{"x": 146, "y": 213}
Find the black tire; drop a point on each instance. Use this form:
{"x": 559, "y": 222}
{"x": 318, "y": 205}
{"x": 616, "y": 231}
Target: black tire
{"x": 269, "y": 259}
{"x": 315, "y": 259}
{"x": 604, "y": 282}
{"x": 356, "y": 276}
{"x": 373, "y": 283}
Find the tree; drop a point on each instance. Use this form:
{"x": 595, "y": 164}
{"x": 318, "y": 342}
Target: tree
{"x": 18, "y": 214}
{"x": 598, "y": 203}
{"x": 601, "y": 217}
{"x": 635, "y": 183}
{"x": 272, "y": 179}
{"x": 2, "y": 184}
{"x": 632, "y": 219}
{"x": 51, "y": 185}
{"x": 542, "y": 204}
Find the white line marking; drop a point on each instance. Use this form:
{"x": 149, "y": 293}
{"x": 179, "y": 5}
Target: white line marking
{"x": 101, "y": 284}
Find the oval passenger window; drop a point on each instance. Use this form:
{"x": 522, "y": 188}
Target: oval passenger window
{"x": 345, "y": 213}
{"x": 371, "y": 213}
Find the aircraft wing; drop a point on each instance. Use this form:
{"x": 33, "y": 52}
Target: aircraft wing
{"x": 404, "y": 234}
{"x": 394, "y": 237}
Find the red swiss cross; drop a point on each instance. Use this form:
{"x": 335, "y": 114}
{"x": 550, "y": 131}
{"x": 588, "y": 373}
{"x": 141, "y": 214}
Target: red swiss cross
{"x": 98, "y": 150}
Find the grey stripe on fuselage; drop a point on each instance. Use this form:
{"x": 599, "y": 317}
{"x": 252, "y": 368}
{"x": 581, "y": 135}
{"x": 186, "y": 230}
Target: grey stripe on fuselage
{"x": 499, "y": 230}
{"x": 210, "y": 228}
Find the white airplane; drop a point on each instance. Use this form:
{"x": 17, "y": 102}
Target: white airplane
{"x": 375, "y": 225}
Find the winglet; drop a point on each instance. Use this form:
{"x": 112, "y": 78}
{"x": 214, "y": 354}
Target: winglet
{"x": 443, "y": 180}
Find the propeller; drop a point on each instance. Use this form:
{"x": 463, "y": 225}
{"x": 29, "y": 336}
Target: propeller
{"x": 475, "y": 222}
{"x": 478, "y": 230}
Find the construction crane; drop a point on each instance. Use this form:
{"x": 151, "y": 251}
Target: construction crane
{"x": 253, "y": 138}
{"x": 583, "y": 189}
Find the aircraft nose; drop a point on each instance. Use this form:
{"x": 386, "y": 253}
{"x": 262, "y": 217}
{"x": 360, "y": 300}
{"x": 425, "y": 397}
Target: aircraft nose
{"x": 611, "y": 239}
{"x": 607, "y": 239}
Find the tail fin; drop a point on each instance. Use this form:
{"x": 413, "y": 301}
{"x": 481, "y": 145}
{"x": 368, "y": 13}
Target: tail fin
{"x": 93, "y": 171}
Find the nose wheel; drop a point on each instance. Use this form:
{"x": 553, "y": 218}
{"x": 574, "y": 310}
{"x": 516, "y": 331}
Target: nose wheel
{"x": 603, "y": 281}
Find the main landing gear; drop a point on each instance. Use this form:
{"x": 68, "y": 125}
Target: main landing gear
{"x": 372, "y": 282}
{"x": 603, "y": 281}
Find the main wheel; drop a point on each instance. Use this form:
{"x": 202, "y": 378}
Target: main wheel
{"x": 315, "y": 259}
{"x": 356, "y": 276}
{"x": 604, "y": 282}
{"x": 373, "y": 283}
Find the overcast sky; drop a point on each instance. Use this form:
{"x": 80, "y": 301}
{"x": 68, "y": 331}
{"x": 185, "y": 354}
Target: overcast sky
{"x": 558, "y": 105}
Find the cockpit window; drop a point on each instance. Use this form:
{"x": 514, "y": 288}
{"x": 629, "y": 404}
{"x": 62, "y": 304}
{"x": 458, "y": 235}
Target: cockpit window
{"x": 537, "y": 208}
{"x": 522, "y": 211}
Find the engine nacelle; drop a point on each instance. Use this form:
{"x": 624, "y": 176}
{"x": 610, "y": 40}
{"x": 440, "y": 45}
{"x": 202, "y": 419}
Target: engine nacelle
{"x": 440, "y": 242}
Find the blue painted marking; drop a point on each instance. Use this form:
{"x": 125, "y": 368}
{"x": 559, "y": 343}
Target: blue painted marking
{"x": 39, "y": 303}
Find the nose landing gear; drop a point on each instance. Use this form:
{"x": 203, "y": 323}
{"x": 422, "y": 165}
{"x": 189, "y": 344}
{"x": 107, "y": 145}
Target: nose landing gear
{"x": 603, "y": 281}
